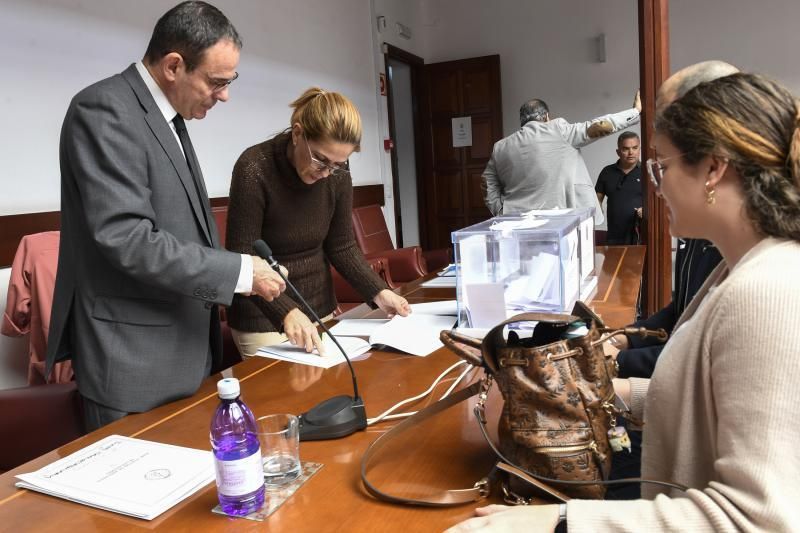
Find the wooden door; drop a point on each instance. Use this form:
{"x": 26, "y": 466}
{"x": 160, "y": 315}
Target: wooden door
{"x": 451, "y": 176}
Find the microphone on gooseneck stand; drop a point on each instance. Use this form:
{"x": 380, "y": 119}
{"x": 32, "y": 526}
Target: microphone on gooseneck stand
{"x": 338, "y": 416}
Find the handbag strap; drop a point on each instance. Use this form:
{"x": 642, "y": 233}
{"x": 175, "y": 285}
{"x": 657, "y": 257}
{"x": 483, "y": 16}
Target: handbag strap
{"x": 444, "y": 498}
{"x": 481, "y": 488}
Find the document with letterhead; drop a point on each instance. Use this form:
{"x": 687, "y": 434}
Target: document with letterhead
{"x": 134, "y": 477}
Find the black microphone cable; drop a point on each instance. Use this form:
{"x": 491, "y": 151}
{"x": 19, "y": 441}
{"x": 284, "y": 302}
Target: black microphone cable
{"x": 265, "y": 252}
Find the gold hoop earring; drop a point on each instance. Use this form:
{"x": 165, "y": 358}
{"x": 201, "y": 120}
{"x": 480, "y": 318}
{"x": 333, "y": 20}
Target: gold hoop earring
{"x": 710, "y": 194}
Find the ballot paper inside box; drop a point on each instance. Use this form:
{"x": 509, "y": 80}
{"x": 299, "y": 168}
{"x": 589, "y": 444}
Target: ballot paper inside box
{"x": 585, "y": 237}
{"x": 515, "y": 264}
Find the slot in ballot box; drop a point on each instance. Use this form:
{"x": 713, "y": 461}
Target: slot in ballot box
{"x": 514, "y": 264}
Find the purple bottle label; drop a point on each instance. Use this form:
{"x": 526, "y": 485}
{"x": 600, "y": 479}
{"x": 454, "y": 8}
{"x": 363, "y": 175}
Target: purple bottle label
{"x": 240, "y": 476}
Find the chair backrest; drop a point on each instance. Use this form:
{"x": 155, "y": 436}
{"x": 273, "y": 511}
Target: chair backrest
{"x": 369, "y": 228}
{"x": 220, "y": 214}
{"x": 37, "y": 419}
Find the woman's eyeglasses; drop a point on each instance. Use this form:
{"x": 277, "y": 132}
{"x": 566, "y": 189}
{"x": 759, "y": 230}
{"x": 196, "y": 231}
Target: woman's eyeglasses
{"x": 655, "y": 169}
{"x": 334, "y": 169}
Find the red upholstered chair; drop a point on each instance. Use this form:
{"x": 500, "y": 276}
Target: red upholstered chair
{"x": 436, "y": 260}
{"x": 372, "y": 236}
{"x": 37, "y": 419}
{"x": 346, "y": 296}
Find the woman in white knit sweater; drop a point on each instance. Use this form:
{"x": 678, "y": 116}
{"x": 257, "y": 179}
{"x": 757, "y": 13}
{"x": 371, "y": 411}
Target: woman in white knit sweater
{"x": 721, "y": 409}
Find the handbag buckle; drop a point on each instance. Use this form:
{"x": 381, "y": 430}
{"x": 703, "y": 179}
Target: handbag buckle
{"x": 514, "y": 499}
{"x": 483, "y": 487}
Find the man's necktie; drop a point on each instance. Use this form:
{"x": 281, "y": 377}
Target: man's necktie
{"x": 194, "y": 165}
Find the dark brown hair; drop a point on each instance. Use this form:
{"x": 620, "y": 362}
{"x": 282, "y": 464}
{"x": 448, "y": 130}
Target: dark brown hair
{"x": 190, "y": 28}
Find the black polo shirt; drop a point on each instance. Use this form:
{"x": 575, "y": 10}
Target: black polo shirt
{"x": 624, "y": 193}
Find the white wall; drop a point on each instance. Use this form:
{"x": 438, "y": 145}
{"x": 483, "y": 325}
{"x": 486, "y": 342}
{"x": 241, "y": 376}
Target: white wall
{"x": 755, "y": 36}
{"x": 50, "y": 49}
{"x": 547, "y": 50}
{"x": 405, "y": 147}
{"x": 410, "y": 14}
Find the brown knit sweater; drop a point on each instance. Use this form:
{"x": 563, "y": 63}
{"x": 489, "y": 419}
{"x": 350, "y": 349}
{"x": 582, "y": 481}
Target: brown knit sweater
{"x": 308, "y": 228}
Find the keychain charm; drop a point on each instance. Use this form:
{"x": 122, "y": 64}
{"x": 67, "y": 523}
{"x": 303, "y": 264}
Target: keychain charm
{"x": 618, "y": 439}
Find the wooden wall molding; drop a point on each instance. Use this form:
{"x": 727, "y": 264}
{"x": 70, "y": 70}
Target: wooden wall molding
{"x": 653, "y": 70}
{"x": 14, "y": 227}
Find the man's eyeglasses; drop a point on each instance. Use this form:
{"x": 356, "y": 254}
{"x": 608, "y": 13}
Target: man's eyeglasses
{"x": 335, "y": 169}
{"x": 219, "y": 84}
{"x": 656, "y": 169}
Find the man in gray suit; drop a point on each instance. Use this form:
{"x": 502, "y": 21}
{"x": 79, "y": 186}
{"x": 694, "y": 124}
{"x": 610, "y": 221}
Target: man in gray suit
{"x": 540, "y": 166}
{"x": 140, "y": 270}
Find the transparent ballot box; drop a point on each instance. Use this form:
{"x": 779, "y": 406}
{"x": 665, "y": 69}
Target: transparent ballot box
{"x": 514, "y": 264}
{"x": 585, "y": 233}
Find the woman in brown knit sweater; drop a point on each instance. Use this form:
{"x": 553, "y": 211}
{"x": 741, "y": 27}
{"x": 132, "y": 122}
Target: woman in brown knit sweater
{"x": 294, "y": 192}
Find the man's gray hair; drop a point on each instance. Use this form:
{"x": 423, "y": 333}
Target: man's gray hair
{"x": 533, "y": 110}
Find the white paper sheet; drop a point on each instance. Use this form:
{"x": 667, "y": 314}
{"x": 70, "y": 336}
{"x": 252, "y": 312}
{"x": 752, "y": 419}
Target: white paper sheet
{"x": 357, "y": 327}
{"x": 485, "y": 303}
{"x": 129, "y": 476}
{"x": 449, "y": 270}
{"x": 475, "y": 333}
{"x": 417, "y": 334}
{"x": 546, "y": 212}
{"x": 440, "y": 281}
{"x": 444, "y": 308}
{"x": 506, "y": 226}
{"x": 354, "y": 346}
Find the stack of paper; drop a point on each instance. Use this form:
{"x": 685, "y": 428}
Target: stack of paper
{"x": 416, "y": 334}
{"x": 286, "y": 351}
{"x": 129, "y": 476}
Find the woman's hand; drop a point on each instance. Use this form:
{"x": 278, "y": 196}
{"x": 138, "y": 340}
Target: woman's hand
{"x": 506, "y": 519}
{"x": 392, "y": 304}
{"x": 622, "y": 387}
{"x": 615, "y": 344}
{"x": 302, "y": 332}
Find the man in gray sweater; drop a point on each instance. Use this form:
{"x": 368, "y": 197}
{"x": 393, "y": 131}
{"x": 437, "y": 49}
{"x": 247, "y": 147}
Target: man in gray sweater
{"x": 540, "y": 166}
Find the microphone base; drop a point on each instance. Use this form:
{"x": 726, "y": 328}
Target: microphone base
{"x": 332, "y": 419}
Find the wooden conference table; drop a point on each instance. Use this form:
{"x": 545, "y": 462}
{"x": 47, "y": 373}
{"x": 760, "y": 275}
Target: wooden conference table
{"x": 446, "y": 452}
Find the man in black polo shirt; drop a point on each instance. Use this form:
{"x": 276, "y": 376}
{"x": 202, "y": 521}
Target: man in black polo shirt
{"x": 622, "y": 183}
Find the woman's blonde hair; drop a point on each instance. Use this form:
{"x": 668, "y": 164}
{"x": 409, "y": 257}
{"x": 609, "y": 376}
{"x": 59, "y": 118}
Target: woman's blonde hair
{"x": 327, "y": 116}
{"x": 753, "y": 121}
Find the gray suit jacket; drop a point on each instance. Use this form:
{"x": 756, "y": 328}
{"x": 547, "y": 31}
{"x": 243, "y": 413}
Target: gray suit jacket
{"x": 540, "y": 166}
{"x": 139, "y": 270}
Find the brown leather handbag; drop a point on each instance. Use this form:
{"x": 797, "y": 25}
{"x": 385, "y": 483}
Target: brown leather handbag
{"x": 558, "y": 398}
{"x": 559, "y": 410}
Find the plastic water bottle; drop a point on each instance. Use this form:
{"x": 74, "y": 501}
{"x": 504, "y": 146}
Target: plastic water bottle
{"x": 237, "y": 454}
